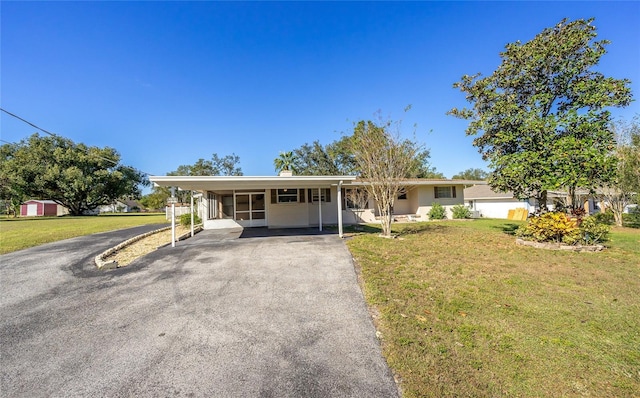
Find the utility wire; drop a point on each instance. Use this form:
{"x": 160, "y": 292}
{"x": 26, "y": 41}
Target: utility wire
{"x": 28, "y": 122}
{"x": 59, "y": 136}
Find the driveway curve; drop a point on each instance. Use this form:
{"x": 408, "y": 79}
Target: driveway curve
{"x": 278, "y": 316}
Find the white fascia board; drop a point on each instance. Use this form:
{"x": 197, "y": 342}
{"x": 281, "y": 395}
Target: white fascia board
{"x": 421, "y": 182}
{"x": 199, "y": 183}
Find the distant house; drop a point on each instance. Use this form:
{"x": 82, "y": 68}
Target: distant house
{"x": 41, "y": 208}
{"x": 484, "y": 202}
{"x": 133, "y": 205}
{"x": 115, "y": 207}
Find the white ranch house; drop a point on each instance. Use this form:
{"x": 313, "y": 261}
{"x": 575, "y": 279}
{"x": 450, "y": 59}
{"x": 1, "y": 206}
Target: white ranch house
{"x": 304, "y": 201}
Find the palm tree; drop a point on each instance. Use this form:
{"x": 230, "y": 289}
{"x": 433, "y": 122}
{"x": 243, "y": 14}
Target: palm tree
{"x": 285, "y": 162}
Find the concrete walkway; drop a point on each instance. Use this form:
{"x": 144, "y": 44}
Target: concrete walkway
{"x": 273, "y": 316}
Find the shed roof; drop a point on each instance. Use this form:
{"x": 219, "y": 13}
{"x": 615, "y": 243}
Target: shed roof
{"x": 47, "y": 202}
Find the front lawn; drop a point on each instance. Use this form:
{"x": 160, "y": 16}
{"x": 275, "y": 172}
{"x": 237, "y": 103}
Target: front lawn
{"x": 463, "y": 311}
{"x": 21, "y": 233}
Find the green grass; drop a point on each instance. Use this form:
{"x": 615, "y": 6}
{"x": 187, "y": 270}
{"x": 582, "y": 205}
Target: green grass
{"x": 463, "y": 311}
{"x": 21, "y": 233}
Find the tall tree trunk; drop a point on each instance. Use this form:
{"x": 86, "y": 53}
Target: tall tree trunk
{"x": 617, "y": 216}
{"x": 385, "y": 220}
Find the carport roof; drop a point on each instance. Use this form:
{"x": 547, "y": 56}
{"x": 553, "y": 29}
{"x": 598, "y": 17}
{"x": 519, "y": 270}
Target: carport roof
{"x": 199, "y": 183}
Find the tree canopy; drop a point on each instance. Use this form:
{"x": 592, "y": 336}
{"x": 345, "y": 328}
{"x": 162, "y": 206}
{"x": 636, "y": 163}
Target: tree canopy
{"x": 541, "y": 119}
{"x": 338, "y": 158}
{"x": 471, "y": 174}
{"x": 332, "y": 159}
{"x": 228, "y": 165}
{"x": 76, "y": 176}
{"x": 286, "y": 161}
{"x": 218, "y": 166}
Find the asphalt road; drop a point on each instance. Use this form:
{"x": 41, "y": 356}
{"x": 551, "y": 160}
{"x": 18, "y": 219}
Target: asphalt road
{"x": 278, "y": 316}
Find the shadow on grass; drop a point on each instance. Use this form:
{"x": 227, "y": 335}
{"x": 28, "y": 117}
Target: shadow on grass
{"x": 508, "y": 228}
{"x": 397, "y": 229}
{"x": 362, "y": 228}
{"x": 418, "y": 228}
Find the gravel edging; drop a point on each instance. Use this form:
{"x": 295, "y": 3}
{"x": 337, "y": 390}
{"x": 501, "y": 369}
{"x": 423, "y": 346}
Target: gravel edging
{"x": 103, "y": 264}
{"x": 559, "y": 246}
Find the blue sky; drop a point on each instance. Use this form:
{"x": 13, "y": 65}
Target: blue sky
{"x": 167, "y": 83}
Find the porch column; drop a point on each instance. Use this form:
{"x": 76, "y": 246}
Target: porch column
{"x": 340, "y": 209}
{"x": 173, "y": 217}
{"x": 320, "y": 209}
{"x": 192, "y": 214}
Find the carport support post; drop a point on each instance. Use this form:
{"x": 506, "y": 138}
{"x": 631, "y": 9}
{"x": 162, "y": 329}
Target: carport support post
{"x": 192, "y": 214}
{"x": 340, "y": 209}
{"x": 173, "y": 218}
{"x": 320, "y": 209}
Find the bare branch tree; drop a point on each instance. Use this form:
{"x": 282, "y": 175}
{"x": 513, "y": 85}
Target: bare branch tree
{"x": 357, "y": 201}
{"x": 384, "y": 160}
{"x": 622, "y": 193}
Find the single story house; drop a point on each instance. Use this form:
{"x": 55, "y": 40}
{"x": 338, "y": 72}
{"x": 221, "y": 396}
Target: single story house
{"x": 288, "y": 201}
{"x": 117, "y": 206}
{"x": 41, "y": 208}
{"x": 485, "y": 202}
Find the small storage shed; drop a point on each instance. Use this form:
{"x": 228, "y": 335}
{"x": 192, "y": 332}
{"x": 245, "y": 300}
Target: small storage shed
{"x": 39, "y": 208}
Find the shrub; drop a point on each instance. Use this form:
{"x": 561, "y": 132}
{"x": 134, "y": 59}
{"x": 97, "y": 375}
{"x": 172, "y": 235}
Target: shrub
{"x": 632, "y": 219}
{"x": 604, "y": 218}
{"x": 185, "y": 219}
{"x": 594, "y": 231}
{"x": 549, "y": 227}
{"x": 461, "y": 211}
{"x": 560, "y": 228}
{"x": 437, "y": 212}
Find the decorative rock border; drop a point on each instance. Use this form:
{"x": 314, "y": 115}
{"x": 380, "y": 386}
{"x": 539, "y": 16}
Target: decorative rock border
{"x": 559, "y": 246}
{"x": 103, "y": 264}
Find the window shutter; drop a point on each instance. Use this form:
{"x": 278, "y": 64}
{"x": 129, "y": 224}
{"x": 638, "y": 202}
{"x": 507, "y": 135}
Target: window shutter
{"x": 327, "y": 194}
{"x": 453, "y": 192}
{"x": 435, "y": 192}
{"x": 301, "y": 194}
{"x": 274, "y": 196}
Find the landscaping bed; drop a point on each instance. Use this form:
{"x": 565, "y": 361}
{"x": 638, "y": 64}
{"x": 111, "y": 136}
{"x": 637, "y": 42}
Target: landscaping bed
{"x": 126, "y": 252}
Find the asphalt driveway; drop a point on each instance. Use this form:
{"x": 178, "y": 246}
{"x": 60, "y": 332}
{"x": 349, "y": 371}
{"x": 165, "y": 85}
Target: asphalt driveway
{"x": 276, "y": 316}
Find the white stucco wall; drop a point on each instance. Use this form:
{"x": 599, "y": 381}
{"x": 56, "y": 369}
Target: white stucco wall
{"x": 287, "y": 215}
{"x": 426, "y": 199}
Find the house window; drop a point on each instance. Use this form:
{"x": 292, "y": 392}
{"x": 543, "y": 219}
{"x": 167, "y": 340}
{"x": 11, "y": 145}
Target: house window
{"x": 287, "y": 195}
{"x": 356, "y": 199}
{"x": 402, "y": 196}
{"x": 444, "y": 192}
{"x": 323, "y": 196}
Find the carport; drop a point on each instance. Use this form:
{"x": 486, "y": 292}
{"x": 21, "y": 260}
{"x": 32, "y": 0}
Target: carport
{"x": 284, "y": 201}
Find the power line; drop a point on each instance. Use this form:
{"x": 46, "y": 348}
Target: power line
{"x": 27, "y": 122}
{"x": 59, "y": 136}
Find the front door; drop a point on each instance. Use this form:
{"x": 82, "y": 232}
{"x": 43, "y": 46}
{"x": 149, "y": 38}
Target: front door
{"x": 250, "y": 209}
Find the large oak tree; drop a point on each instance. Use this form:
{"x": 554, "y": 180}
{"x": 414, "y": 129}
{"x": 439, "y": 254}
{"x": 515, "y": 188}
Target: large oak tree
{"x": 77, "y": 176}
{"x": 541, "y": 119}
